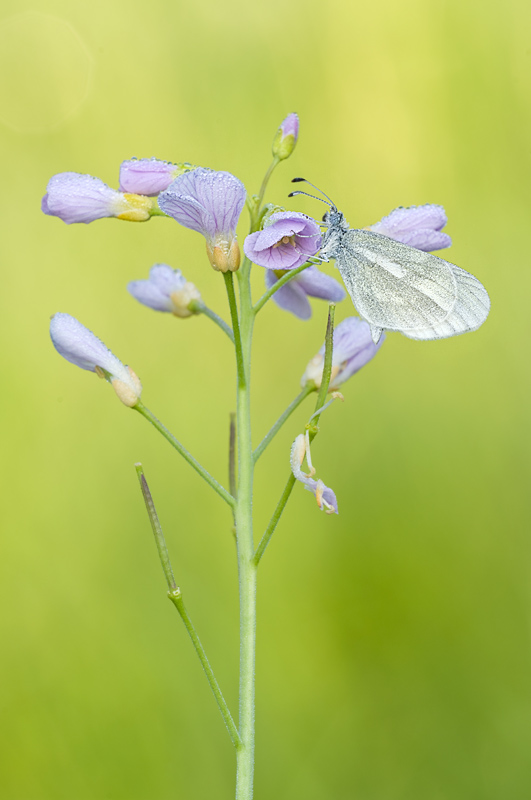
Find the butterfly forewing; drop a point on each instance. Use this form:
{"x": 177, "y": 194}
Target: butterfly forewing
{"x": 397, "y": 287}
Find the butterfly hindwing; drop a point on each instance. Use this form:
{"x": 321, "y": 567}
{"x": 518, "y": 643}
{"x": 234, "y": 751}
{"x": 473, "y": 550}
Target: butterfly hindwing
{"x": 397, "y": 287}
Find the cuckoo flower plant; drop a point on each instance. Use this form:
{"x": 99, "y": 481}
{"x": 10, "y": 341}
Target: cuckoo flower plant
{"x": 284, "y": 243}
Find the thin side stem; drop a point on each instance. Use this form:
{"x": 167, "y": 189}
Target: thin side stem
{"x": 156, "y": 527}
{"x": 280, "y": 422}
{"x": 200, "y": 308}
{"x": 176, "y": 598}
{"x": 273, "y": 522}
{"x": 229, "y": 283}
{"x": 278, "y": 285}
{"x": 263, "y": 187}
{"x": 185, "y": 454}
{"x": 313, "y": 431}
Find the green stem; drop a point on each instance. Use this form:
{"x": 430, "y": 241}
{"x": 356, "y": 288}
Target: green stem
{"x": 273, "y": 522}
{"x": 198, "y": 307}
{"x": 244, "y": 538}
{"x": 185, "y": 454}
{"x": 280, "y": 422}
{"x": 314, "y": 429}
{"x": 261, "y": 193}
{"x": 229, "y": 283}
{"x": 278, "y": 285}
{"x": 176, "y": 598}
{"x": 156, "y": 527}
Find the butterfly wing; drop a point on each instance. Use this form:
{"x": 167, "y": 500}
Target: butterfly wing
{"x": 399, "y": 288}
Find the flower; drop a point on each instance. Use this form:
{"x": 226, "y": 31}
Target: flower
{"x": 353, "y": 348}
{"x": 82, "y": 198}
{"x": 325, "y": 496}
{"x": 210, "y": 203}
{"x": 166, "y": 289}
{"x": 149, "y": 176}
{"x": 417, "y": 226}
{"x": 286, "y": 137}
{"x": 81, "y": 347}
{"x": 287, "y": 241}
{"x": 293, "y": 296}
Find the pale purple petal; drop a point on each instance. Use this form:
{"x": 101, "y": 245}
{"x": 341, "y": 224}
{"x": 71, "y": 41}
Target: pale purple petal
{"x": 81, "y": 347}
{"x": 207, "y": 201}
{"x": 156, "y": 291}
{"x": 317, "y": 284}
{"x": 290, "y": 297}
{"x": 147, "y": 176}
{"x": 290, "y": 126}
{"x": 327, "y": 494}
{"x": 79, "y": 198}
{"x": 416, "y": 226}
{"x": 353, "y": 348}
{"x": 267, "y": 249}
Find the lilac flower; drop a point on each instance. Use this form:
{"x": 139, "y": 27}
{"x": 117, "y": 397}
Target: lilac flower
{"x": 286, "y": 137}
{"x": 82, "y": 198}
{"x": 353, "y": 348}
{"x": 325, "y": 496}
{"x": 293, "y": 296}
{"x": 149, "y": 176}
{"x": 166, "y": 289}
{"x": 287, "y": 241}
{"x": 210, "y": 203}
{"x": 81, "y": 347}
{"x": 417, "y": 226}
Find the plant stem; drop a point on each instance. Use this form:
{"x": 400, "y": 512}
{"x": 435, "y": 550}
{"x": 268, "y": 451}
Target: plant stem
{"x": 280, "y": 422}
{"x": 200, "y": 308}
{"x": 185, "y": 454}
{"x": 323, "y": 391}
{"x": 244, "y": 537}
{"x": 273, "y": 522}
{"x": 278, "y": 285}
{"x": 176, "y": 598}
{"x": 263, "y": 187}
{"x": 229, "y": 283}
{"x": 156, "y": 527}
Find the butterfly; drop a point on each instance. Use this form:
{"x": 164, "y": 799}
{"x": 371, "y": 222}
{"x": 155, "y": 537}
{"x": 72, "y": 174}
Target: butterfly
{"x": 395, "y": 287}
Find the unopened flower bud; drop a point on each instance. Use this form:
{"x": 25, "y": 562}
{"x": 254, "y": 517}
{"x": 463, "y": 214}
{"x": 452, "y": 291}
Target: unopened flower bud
{"x": 81, "y": 347}
{"x": 286, "y": 137}
{"x": 166, "y": 289}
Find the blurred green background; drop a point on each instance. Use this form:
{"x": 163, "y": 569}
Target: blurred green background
{"x": 393, "y": 645}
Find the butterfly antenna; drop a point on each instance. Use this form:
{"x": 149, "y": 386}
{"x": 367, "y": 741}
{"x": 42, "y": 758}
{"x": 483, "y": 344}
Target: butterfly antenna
{"x": 294, "y": 194}
{"x": 298, "y": 180}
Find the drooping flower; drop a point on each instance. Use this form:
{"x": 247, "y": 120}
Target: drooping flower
{"x": 287, "y": 241}
{"x": 325, "y": 496}
{"x": 81, "y": 347}
{"x": 82, "y": 198}
{"x": 286, "y": 137}
{"x": 166, "y": 289}
{"x": 149, "y": 176}
{"x": 293, "y": 296}
{"x": 353, "y": 348}
{"x": 417, "y": 226}
{"x": 210, "y": 203}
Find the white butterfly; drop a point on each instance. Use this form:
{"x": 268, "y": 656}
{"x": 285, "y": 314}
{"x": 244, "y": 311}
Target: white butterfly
{"x": 395, "y": 287}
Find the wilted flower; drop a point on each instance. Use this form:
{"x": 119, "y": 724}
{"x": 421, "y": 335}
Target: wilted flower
{"x": 293, "y": 296}
{"x": 165, "y": 290}
{"x": 149, "y": 176}
{"x": 210, "y": 203}
{"x": 286, "y": 137}
{"x": 325, "y": 496}
{"x": 81, "y": 347}
{"x": 287, "y": 241}
{"x": 353, "y": 348}
{"x": 417, "y": 226}
{"x": 82, "y": 198}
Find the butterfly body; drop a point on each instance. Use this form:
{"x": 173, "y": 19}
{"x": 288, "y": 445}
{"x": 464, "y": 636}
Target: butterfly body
{"x": 396, "y": 287}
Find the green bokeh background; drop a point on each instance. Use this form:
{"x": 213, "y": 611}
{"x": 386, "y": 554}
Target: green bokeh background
{"x": 393, "y": 645}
